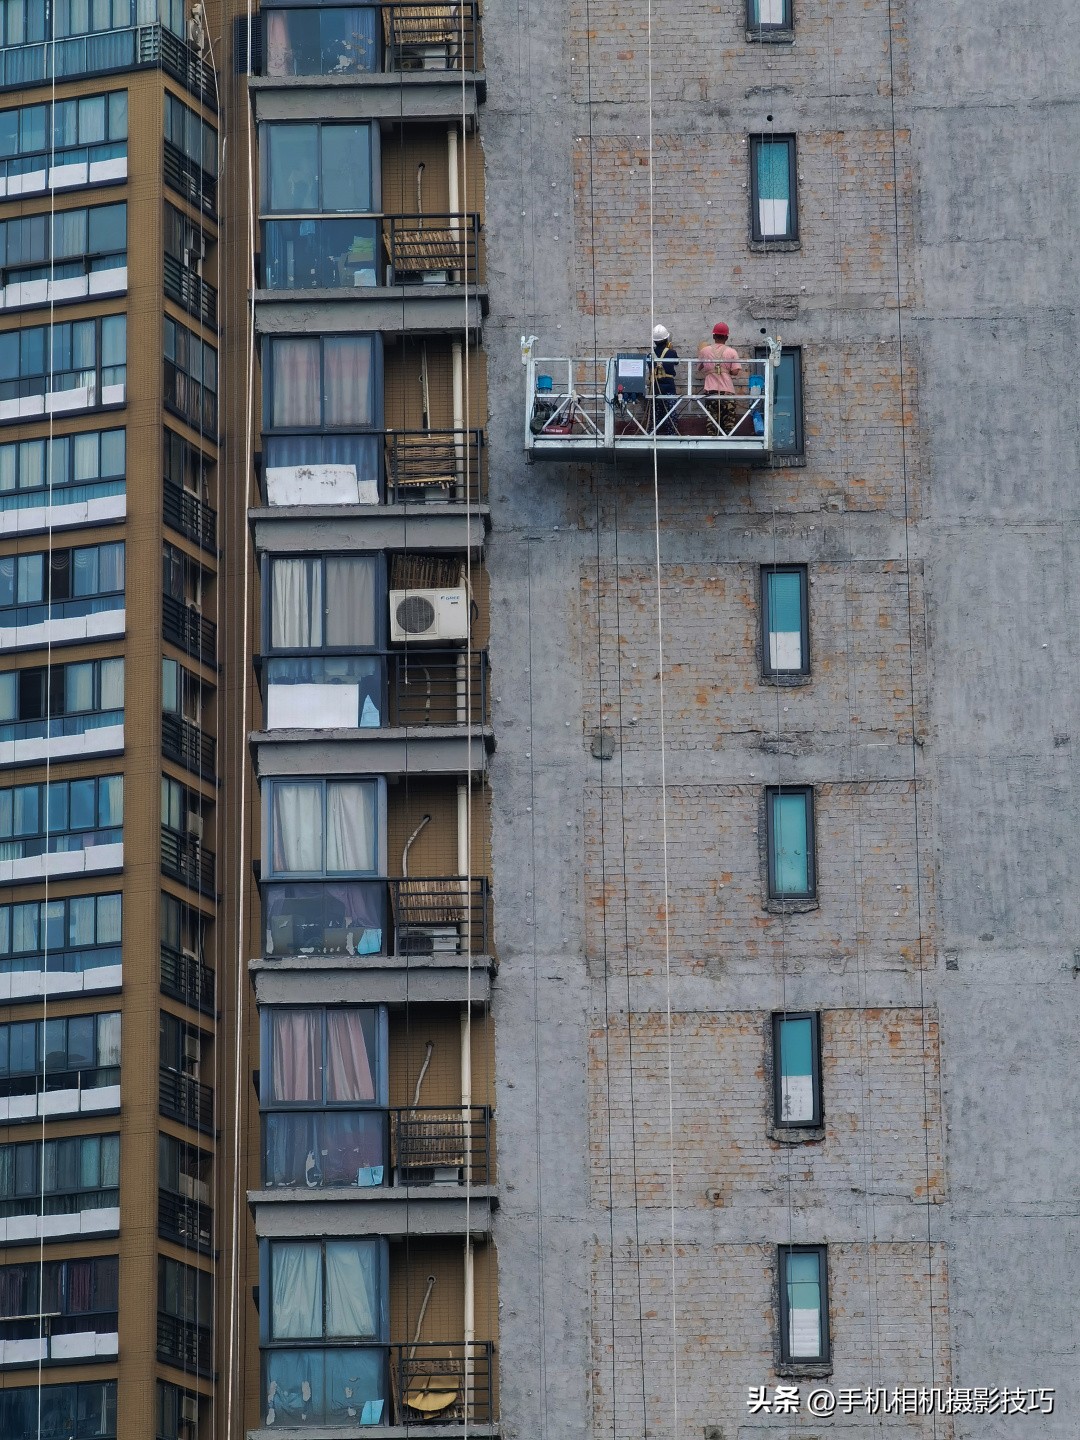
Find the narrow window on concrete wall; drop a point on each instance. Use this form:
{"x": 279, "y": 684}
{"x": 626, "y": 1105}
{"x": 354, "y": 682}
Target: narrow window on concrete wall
{"x": 785, "y": 620}
{"x": 774, "y": 214}
{"x": 768, "y": 15}
{"x": 804, "y": 1304}
{"x": 789, "y": 815}
{"x": 796, "y": 1070}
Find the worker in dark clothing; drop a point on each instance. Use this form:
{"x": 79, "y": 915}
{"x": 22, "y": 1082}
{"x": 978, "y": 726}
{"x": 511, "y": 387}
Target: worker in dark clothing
{"x": 662, "y": 379}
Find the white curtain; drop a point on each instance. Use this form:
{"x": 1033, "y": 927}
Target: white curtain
{"x": 297, "y": 828}
{"x": 112, "y": 684}
{"x": 296, "y": 604}
{"x": 108, "y": 1039}
{"x": 297, "y": 1292}
{"x": 352, "y": 1288}
{"x": 350, "y": 828}
{"x": 350, "y": 602}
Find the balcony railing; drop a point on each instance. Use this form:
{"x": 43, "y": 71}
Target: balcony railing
{"x": 185, "y": 859}
{"x": 438, "y": 687}
{"x": 417, "y": 1145}
{"x": 186, "y": 977}
{"x": 423, "y": 465}
{"x": 133, "y": 47}
{"x": 606, "y": 405}
{"x": 56, "y": 727}
{"x": 185, "y": 1220}
{"x": 182, "y": 1098}
{"x": 440, "y": 915}
{"x": 188, "y": 746}
{"x": 184, "y": 1344}
{"x": 190, "y": 180}
{"x": 191, "y": 291}
{"x": 52, "y": 1336}
{"x": 434, "y": 249}
{"x": 182, "y": 625}
{"x": 436, "y": 1382}
{"x": 422, "y": 36}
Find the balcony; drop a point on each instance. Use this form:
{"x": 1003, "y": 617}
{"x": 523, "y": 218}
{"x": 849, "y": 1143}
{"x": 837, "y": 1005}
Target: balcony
{"x": 184, "y": 1344}
{"x": 184, "y": 858}
{"x": 66, "y": 169}
{"x": 602, "y": 407}
{"x": 182, "y": 625}
{"x": 191, "y": 292}
{"x": 62, "y": 737}
{"x": 187, "y": 978}
{"x": 429, "y": 1383}
{"x": 431, "y": 916}
{"x": 182, "y": 1098}
{"x": 52, "y": 1094}
{"x": 60, "y": 973}
{"x": 414, "y": 1146}
{"x": 187, "y": 1221}
{"x": 131, "y": 48}
{"x": 188, "y": 746}
{"x": 57, "y": 1338}
{"x": 189, "y": 180}
{"x": 419, "y": 688}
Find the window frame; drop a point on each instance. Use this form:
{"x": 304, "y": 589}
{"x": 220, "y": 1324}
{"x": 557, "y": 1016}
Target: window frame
{"x": 768, "y": 670}
{"x": 267, "y": 1338}
{"x": 784, "y": 1253}
{"x": 48, "y": 259}
{"x": 757, "y": 29}
{"x": 269, "y": 211}
{"x": 323, "y": 427}
{"x": 772, "y": 793}
{"x": 53, "y": 482}
{"x": 380, "y": 591}
{"x": 791, "y": 234}
{"x": 269, "y": 873}
{"x": 797, "y": 449}
{"x": 380, "y": 1059}
{"x": 779, "y": 1018}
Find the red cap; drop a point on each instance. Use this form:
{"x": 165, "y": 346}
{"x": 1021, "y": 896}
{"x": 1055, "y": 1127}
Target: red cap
{"x": 720, "y": 329}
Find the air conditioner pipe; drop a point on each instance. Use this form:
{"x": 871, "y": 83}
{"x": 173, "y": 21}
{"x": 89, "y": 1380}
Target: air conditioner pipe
{"x": 408, "y": 847}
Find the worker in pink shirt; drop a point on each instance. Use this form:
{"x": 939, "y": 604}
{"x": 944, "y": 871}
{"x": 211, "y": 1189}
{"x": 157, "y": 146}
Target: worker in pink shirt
{"x": 720, "y": 365}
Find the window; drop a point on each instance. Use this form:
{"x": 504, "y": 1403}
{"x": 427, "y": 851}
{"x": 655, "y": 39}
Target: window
{"x": 326, "y": 603}
{"x": 41, "y": 586}
{"x": 59, "y": 1412}
{"x": 804, "y": 1304}
{"x": 797, "y": 1097}
{"x": 80, "y": 1173}
{"x": 323, "y": 1057}
{"x": 76, "y": 1050}
{"x": 80, "y": 933}
{"x": 69, "y": 244}
{"x": 785, "y": 637}
{"x": 185, "y": 1314}
{"x": 323, "y": 827}
{"x": 173, "y": 1409}
{"x": 774, "y": 212}
{"x": 322, "y": 1295}
{"x": 321, "y": 383}
{"x": 766, "y": 17}
{"x": 186, "y": 467}
{"x": 332, "y": 40}
{"x": 78, "y": 1296}
{"x": 90, "y": 129}
{"x": 320, "y": 169}
{"x": 87, "y": 355}
{"x": 61, "y": 817}
{"x": 790, "y": 825}
{"x": 787, "y": 418}
{"x": 179, "y": 805}
{"x": 84, "y": 467}
{"x": 191, "y": 135}
{"x": 63, "y": 700}
{"x": 181, "y": 692}
{"x": 190, "y": 377}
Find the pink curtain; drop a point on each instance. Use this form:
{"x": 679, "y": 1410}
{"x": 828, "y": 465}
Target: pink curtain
{"x": 347, "y": 364}
{"x": 278, "y": 54}
{"x": 296, "y": 1055}
{"x": 348, "y": 1067}
{"x": 295, "y": 398}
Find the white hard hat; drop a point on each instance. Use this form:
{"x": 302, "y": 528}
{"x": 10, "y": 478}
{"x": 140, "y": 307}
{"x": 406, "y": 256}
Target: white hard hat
{"x": 661, "y": 332}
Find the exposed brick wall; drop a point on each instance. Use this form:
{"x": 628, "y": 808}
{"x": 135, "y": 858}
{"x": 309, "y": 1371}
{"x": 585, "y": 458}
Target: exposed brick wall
{"x": 868, "y": 885}
{"x": 714, "y": 692}
{"x": 881, "y": 1326}
{"x": 880, "y": 1117}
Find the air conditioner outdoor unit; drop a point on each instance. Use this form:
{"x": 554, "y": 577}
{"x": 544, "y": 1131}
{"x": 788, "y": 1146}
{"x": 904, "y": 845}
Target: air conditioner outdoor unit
{"x": 192, "y": 1048}
{"x": 195, "y": 827}
{"x": 429, "y": 615}
{"x": 189, "y": 1409}
{"x": 190, "y": 956}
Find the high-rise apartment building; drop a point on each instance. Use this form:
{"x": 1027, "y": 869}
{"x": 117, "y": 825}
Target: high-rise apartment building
{"x": 563, "y": 878}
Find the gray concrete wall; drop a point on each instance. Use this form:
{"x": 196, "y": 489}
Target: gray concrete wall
{"x": 932, "y": 505}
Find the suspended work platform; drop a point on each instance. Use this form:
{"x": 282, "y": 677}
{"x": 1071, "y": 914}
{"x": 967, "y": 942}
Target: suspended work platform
{"x": 615, "y": 405}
